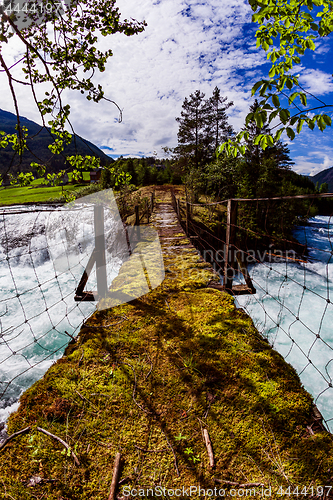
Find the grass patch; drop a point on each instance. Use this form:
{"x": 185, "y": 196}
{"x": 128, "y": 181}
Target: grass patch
{"x": 33, "y": 194}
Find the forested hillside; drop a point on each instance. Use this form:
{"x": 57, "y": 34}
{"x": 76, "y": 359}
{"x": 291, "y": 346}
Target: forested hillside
{"x": 39, "y": 139}
{"x": 324, "y": 176}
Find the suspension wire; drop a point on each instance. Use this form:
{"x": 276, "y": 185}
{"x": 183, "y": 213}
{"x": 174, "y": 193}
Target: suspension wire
{"x": 309, "y": 342}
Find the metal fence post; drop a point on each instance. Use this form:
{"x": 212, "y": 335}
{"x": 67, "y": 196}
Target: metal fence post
{"x": 102, "y": 286}
{"x": 187, "y": 216}
{"x": 178, "y": 208}
{"x": 137, "y": 218}
{"x": 229, "y": 258}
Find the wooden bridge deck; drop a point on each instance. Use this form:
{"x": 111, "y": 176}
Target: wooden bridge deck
{"x": 174, "y": 239}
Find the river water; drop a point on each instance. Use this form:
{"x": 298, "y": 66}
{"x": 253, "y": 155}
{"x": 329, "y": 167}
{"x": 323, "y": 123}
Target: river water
{"x": 43, "y": 255}
{"x": 38, "y": 313}
{"x": 293, "y": 309}
{"x": 292, "y": 306}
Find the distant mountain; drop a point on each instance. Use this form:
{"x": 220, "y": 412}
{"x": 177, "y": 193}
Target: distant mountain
{"x": 324, "y": 176}
{"x": 38, "y": 143}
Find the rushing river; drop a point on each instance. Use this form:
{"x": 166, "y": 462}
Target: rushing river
{"x": 43, "y": 255}
{"x": 293, "y": 308}
{"x": 38, "y": 313}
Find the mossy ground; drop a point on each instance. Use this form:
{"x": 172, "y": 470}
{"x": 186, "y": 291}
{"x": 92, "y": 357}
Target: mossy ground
{"x": 171, "y": 363}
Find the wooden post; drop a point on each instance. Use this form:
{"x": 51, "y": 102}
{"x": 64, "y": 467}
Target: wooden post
{"x": 173, "y": 198}
{"x": 229, "y": 245}
{"x": 102, "y": 286}
{"x": 187, "y": 216}
{"x": 147, "y": 210}
{"x": 137, "y": 218}
{"x": 152, "y": 202}
{"x": 178, "y": 208}
{"x": 243, "y": 267}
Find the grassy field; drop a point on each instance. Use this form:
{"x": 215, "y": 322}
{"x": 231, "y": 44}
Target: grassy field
{"x": 29, "y": 194}
{"x": 35, "y": 193}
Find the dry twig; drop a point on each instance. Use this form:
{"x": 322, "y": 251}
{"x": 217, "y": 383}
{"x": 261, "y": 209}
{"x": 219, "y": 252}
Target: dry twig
{"x": 163, "y": 450}
{"x": 115, "y": 477}
{"x": 12, "y": 436}
{"x": 134, "y": 389}
{"x": 209, "y": 448}
{"x": 40, "y": 429}
{"x": 173, "y": 452}
{"x": 240, "y": 485}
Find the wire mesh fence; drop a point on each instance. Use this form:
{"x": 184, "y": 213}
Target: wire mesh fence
{"x": 44, "y": 255}
{"x": 281, "y": 274}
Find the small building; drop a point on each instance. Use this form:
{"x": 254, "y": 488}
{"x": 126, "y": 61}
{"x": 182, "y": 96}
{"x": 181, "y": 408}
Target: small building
{"x": 95, "y": 175}
{"x": 64, "y": 179}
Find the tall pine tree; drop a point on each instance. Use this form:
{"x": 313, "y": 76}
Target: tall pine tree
{"x": 217, "y": 129}
{"x": 191, "y": 126}
{"x": 203, "y": 125}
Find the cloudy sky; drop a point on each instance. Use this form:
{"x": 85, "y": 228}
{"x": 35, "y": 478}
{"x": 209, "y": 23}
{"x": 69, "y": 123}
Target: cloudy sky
{"x": 187, "y": 45}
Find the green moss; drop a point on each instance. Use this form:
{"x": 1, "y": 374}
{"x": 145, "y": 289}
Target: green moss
{"x": 182, "y": 358}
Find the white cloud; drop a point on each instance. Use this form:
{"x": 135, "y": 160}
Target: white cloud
{"x": 316, "y": 81}
{"x": 187, "y": 45}
{"x": 314, "y": 162}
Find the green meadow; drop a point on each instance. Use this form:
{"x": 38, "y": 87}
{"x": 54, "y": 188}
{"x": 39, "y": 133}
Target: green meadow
{"x": 37, "y": 192}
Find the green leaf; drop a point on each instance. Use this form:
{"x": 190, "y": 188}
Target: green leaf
{"x": 299, "y": 125}
{"x": 293, "y": 97}
{"x": 256, "y": 86}
{"x": 310, "y": 44}
{"x": 284, "y": 115}
{"x": 275, "y": 100}
{"x": 258, "y": 118}
{"x": 263, "y": 142}
{"x": 273, "y": 115}
{"x": 289, "y": 83}
{"x": 321, "y": 123}
{"x": 303, "y": 98}
{"x": 290, "y": 133}
{"x": 311, "y": 123}
{"x": 327, "y": 119}
{"x": 278, "y": 134}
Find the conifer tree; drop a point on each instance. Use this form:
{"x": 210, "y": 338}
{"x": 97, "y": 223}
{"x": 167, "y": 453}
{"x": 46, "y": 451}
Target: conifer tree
{"x": 217, "y": 129}
{"x": 191, "y": 126}
{"x": 203, "y": 124}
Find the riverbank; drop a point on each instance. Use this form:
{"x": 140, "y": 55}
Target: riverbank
{"x": 144, "y": 379}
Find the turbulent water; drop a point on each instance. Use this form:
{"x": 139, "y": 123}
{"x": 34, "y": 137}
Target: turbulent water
{"x": 293, "y": 308}
{"x": 37, "y": 304}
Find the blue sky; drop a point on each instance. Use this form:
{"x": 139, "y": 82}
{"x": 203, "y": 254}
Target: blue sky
{"x": 187, "y": 45}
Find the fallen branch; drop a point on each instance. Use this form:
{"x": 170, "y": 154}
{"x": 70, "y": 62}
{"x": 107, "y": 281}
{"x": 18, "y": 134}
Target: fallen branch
{"x": 40, "y": 429}
{"x": 84, "y": 398}
{"x": 173, "y": 452}
{"x": 115, "y": 477}
{"x": 151, "y": 367}
{"x": 12, "y": 436}
{"x": 240, "y": 485}
{"x": 209, "y": 448}
{"x": 124, "y": 480}
{"x": 134, "y": 389}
